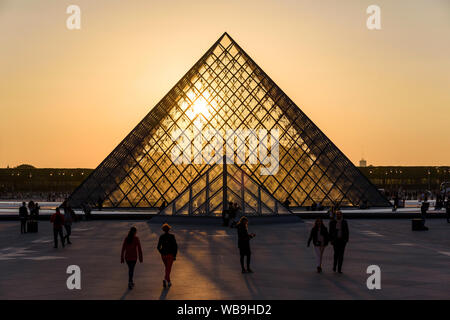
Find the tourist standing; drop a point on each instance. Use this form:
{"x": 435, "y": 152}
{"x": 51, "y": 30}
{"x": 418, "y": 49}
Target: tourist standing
{"x": 339, "y": 235}
{"x": 244, "y": 243}
{"x": 287, "y": 203}
{"x": 319, "y": 236}
{"x": 58, "y": 221}
{"x": 87, "y": 210}
{"x": 131, "y": 247}
{"x": 331, "y": 212}
{"x": 100, "y": 203}
{"x": 233, "y": 214}
{"x": 226, "y": 214}
{"x": 23, "y": 214}
{"x": 396, "y": 202}
{"x": 68, "y": 220}
{"x": 35, "y": 211}
{"x": 168, "y": 248}
{"x": 30, "y": 207}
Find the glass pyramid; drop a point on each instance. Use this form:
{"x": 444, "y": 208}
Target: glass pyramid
{"x": 225, "y": 90}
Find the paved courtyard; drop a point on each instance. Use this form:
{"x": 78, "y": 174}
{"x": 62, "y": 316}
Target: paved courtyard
{"x": 414, "y": 265}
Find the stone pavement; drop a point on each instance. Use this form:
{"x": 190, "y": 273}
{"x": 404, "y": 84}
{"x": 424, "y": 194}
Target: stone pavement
{"x": 414, "y": 265}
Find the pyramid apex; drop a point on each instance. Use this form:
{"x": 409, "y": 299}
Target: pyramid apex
{"x": 225, "y": 35}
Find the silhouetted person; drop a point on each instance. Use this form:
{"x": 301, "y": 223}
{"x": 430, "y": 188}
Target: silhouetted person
{"x": 58, "y": 221}
{"x": 287, "y": 203}
{"x": 319, "y": 236}
{"x": 244, "y": 243}
{"x": 30, "y": 207}
{"x": 233, "y": 214}
{"x": 168, "y": 248}
{"x": 68, "y": 220}
{"x": 23, "y": 215}
{"x": 225, "y": 217}
{"x": 396, "y": 202}
{"x": 331, "y": 212}
{"x": 100, "y": 203}
{"x": 35, "y": 211}
{"x": 339, "y": 235}
{"x": 87, "y": 210}
{"x": 163, "y": 205}
{"x": 226, "y": 214}
{"x": 131, "y": 247}
{"x": 424, "y": 207}
{"x": 319, "y": 206}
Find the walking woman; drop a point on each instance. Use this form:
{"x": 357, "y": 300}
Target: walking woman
{"x": 244, "y": 243}
{"x": 130, "y": 249}
{"x": 319, "y": 236}
{"x": 168, "y": 248}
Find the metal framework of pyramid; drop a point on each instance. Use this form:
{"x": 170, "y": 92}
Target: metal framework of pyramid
{"x": 225, "y": 90}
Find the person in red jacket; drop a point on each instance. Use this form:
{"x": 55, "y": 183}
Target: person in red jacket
{"x": 58, "y": 221}
{"x": 130, "y": 249}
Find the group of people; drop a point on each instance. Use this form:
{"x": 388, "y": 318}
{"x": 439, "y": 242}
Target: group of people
{"x": 61, "y": 221}
{"x": 167, "y": 247}
{"x": 28, "y": 213}
{"x": 132, "y": 250}
{"x": 58, "y": 220}
{"x": 337, "y": 234}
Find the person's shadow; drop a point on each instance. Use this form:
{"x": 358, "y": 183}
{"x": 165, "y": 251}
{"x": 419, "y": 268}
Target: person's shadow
{"x": 164, "y": 293}
{"x": 125, "y": 294}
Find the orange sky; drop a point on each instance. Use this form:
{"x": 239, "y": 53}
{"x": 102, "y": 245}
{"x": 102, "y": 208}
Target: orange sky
{"x": 67, "y": 98}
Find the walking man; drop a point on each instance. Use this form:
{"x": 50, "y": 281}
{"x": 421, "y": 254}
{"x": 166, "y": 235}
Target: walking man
{"x": 23, "y": 214}
{"x": 68, "y": 222}
{"x": 58, "y": 221}
{"x": 339, "y": 235}
{"x": 168, "y": 248}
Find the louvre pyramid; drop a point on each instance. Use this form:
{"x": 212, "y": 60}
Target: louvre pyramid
{"x": 225, "y": 90}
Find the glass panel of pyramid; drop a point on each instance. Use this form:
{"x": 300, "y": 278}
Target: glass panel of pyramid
{"x": 225, "y": 91}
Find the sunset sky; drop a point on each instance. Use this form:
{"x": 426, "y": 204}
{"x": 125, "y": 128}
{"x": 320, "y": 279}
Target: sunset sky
{"x": 68, "y": 97}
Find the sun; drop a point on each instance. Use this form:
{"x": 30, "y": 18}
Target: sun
{"x": 199, "y": 107}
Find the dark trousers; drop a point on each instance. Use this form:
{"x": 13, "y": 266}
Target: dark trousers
{"x": 57, "y": 232}
{"x": 248, "y": 260}
{"x": 131, "y": 264}
{"x": 339, "y": 249}
{"x": 23, "y": 226}
{"x": 68, "y": 231}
